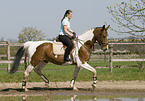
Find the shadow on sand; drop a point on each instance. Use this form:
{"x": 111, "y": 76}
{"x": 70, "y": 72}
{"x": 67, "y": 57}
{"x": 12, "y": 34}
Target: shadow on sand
{"x": 36, "y": 89}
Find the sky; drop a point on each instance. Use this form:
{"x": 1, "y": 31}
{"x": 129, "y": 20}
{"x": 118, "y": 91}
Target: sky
{"x": 46, "y": 15}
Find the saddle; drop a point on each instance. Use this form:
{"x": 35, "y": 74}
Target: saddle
{"x": 59, "y": 48}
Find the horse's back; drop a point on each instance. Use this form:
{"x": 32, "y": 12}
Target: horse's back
{"x": 34, "y": 43}
{"x": 31, "y": 46}
{"x": 35, "y": 47}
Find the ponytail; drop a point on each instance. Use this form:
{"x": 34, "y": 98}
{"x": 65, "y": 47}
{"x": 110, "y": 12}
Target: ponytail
{"x": 65, "y": 15}
{"x": 63, "y": 18}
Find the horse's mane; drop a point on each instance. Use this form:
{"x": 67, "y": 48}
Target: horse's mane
{"x": 87, "y": 31}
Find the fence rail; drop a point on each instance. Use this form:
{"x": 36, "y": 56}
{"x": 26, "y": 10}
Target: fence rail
{"x": 128, "y": 60}
{"x": 8, "y": 62}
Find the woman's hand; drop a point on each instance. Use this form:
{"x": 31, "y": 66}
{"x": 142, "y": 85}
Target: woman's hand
{"x": 74, "y": 34}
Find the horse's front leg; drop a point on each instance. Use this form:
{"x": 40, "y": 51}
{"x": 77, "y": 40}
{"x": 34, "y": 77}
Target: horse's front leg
{"x": 76, "y": 71}
{"x": 90, "y": 68}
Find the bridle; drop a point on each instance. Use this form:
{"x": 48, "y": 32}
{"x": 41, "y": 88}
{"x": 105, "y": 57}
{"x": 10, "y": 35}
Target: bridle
{"x": 101, "y": 43}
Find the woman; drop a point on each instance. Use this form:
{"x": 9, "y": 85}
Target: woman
{"x": 65, "y": 33}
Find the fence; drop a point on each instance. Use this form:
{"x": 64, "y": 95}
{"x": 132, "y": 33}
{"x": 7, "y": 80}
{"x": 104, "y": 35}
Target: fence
{"x": 111, "y": 52}
{"x": 8, "y": 61}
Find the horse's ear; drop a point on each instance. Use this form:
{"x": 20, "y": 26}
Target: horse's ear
{"x": 103, "y": 28}
{"x": 107, "y": 27}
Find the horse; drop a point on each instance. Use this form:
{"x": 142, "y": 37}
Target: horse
{"x": 39, "y": 53}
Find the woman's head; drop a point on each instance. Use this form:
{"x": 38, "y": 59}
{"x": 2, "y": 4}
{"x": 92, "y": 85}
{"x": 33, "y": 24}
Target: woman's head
{"x": 68, "y": 14}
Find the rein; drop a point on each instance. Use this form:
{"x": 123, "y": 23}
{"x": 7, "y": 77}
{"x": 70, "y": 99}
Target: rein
{"x": 93, "y": 41}
{"x": 79, "y": 40}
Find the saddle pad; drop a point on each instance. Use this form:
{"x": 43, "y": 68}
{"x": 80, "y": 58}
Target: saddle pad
{"x": 58, "y": 48}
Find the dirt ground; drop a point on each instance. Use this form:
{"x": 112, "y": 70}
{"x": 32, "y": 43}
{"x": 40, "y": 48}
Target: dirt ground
{"x": 85, "y": 88}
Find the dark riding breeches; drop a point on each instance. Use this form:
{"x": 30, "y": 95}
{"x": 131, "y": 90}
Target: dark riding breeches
{"x": 67, "y": 42}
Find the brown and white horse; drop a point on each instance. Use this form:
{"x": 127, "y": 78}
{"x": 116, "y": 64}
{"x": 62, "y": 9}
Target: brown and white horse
{"x": 39, "y": 53}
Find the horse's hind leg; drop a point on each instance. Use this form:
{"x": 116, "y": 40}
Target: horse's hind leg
{"x": 26, "y": 73}
{"x": 76, "y": 71}
{"x": 26, "y": 60}
{"x": 38, "y": 71}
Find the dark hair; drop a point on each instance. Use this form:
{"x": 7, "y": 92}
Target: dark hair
{"x": 65, "y": 15}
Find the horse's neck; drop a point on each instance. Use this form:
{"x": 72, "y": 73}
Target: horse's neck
{"x": 83, "y": 38}
{"x": 88, "y": 35}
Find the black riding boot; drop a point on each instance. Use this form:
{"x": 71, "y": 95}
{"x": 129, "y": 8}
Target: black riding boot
{"x": 67, "y": 53}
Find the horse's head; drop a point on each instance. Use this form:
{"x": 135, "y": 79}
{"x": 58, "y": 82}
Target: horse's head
{"x": 100, "y": 34}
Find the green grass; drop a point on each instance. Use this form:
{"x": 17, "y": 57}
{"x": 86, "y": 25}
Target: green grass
{"x": 57, "y": 73}
{"x": 101, "y": 63}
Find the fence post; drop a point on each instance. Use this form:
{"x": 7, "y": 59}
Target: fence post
{"x": 111, "y": 57}
{"x": 104, "y": 56}
{"x": 8, "y": 56}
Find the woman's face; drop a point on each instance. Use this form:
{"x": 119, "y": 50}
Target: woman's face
{"x": 69, "y": 15}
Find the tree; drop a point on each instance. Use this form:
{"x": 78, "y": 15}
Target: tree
{"x": 30, "y": 34}
{"x": 130, "y": 17}
{"x": 2, "y": 39}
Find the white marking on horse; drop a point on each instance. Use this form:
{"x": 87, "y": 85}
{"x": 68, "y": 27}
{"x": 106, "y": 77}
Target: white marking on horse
{"x": 88, "y": 35}
{"x": 32, "y": 45}
{"x": 84, "y": 37}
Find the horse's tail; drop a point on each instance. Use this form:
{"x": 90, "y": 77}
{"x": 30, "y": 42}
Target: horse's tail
{"x": 17, "y": 59}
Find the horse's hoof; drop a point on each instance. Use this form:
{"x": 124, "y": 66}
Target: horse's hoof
{"x": 26, "y": 90}
{"x": 94, "y": 86}
{"x": 47, "y": 85}
{"x": 75, "y": 88}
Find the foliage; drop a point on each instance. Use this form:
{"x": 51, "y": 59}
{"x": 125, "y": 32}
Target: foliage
{"x": 2, "y": 39}
{"x": 30, "y": 34}
{"x": 130, "y": 17}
